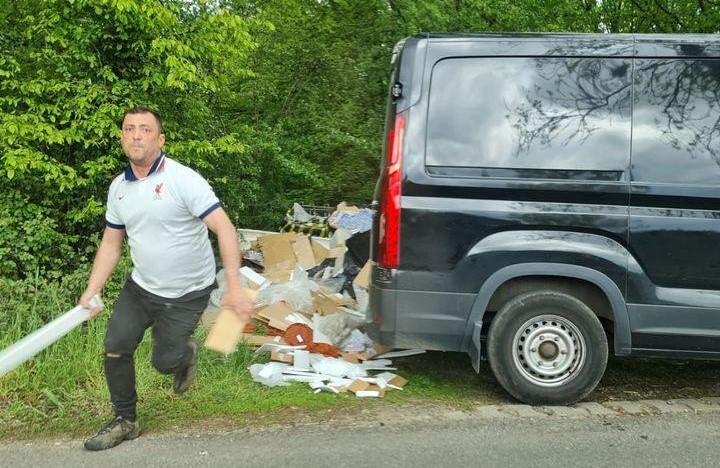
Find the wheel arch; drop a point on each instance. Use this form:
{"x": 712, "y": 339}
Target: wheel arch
{"x": 514, "y": 278}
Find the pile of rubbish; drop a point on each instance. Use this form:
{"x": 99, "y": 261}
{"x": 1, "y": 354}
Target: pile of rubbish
{"x": 312, "y": 293}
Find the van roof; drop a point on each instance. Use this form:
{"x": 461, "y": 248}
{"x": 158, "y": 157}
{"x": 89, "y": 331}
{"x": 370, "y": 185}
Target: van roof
{"x": 640, "y": 45}
{"x": 674, "y": 38}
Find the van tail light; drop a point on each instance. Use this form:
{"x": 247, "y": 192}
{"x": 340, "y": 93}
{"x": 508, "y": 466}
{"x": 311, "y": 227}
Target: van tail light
{"x": 389, "y": 222}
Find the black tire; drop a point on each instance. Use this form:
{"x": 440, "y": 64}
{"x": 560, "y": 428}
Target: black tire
{"x": 547, "y": 347}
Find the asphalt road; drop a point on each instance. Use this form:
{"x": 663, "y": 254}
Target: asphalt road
{"x": 446, "y": 440}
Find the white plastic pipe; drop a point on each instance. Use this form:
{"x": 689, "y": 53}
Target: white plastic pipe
{"x": 26, "y": 348}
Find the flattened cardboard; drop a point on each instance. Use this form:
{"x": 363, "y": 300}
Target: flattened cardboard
{"x": 278, "y": 256}
{"x": 281, "y": 273}
{"x": 259, "y": 340}
{"x": 357, "y": 385}
{"x": 303, "y": 252}
{"x": 362, "y": 280}
{"x": 281, "y": 357}
{"x": 392, "y": 379}
{"x": 398, "y": 381}
{"x": 278, "y": 324}
{"x": 225, "y": 333}
{"x": 376, "y": 350}
{"x": 276, "y": 313}
{"x": 323, "y": 305}
{"x": 277, "y": 249}
{"x": 341, "y": 300}
{"x": 256, "y": 313}
{"x": 350, "y": 357}
{"x": 320, "y": 252}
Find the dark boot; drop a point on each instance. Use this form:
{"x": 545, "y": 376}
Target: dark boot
{"x": 113, "y": 433}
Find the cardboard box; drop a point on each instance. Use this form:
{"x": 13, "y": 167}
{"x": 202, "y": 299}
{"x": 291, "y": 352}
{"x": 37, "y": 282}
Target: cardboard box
{"x": 225, "y": 333}
{"x": 362, "y": 388}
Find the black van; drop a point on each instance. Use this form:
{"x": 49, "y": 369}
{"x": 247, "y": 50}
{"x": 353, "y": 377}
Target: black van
{"x": 546, "y": 198}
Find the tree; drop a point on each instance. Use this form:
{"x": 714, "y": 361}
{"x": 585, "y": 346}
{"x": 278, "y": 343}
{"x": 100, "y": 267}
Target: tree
{"x": 68, "y": 70}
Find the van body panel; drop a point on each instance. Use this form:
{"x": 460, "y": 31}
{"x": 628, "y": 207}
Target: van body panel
{"x": 593, "y": 158}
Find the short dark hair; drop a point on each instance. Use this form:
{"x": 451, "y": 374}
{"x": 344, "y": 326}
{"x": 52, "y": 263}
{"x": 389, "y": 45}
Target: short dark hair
{"x": 143, "y": 110}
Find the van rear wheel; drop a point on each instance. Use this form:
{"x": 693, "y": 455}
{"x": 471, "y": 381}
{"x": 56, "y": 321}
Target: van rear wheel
{"x": 547, "y": 347}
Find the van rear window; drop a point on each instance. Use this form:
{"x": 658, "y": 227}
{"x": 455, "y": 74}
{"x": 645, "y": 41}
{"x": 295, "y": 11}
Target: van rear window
{"x": 549, "y": 113}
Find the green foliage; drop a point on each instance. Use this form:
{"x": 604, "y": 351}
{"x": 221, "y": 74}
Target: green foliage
{"x": 274, "y": 101}
{"x": 321, "y": 80}
{"x": 69, "y": 69}
{"x": 683, "y": 16}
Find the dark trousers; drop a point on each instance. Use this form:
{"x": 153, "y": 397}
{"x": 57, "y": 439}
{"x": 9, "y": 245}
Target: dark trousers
{"x": 172, "y": 320}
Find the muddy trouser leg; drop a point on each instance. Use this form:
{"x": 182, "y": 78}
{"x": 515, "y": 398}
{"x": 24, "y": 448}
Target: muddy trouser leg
{"x": 175, "y": 322}
{"x": 125, "y": 330}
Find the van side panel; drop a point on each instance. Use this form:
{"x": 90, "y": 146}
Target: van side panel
{"x": 517, "y": 153}
{"x": 448, "y": 208}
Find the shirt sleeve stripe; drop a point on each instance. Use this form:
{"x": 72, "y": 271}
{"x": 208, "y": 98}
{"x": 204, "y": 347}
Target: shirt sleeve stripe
{"x": 114, "y": 226}
{"x": 210, "y": 210}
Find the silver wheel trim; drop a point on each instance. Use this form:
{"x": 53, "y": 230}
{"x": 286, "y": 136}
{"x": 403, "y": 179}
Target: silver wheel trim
{"x": 548, "y": 350}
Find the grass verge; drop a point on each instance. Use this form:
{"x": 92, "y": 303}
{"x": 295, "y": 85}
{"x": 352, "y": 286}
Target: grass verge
{"x": 62, "y": 392}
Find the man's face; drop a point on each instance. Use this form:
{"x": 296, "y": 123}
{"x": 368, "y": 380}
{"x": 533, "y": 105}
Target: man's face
{"x": 141, "y": 138}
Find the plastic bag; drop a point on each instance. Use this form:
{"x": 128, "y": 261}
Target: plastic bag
{"x": 337, "y": 368}
{"x": 296, "y": 292}
{"x": 331, "y": 329}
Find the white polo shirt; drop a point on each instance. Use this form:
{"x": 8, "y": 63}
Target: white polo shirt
{"x": 162, "y": 214}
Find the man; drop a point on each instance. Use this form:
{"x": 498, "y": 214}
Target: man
{"x": 164, "y": 210}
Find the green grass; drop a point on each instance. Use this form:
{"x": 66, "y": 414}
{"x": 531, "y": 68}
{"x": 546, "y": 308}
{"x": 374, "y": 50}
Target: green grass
{"x": 62, "y": 392}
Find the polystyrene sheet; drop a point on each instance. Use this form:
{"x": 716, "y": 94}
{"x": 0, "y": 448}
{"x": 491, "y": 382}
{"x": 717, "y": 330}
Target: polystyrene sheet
{"x": 21, "y": 351}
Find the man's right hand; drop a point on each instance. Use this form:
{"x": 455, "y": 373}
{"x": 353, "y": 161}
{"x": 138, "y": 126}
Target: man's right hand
{"x": 85, "y": 303}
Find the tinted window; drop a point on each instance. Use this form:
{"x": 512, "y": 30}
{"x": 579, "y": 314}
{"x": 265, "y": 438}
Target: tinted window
{"x": 676, "y": 133}
{"x": 532, "y": 113}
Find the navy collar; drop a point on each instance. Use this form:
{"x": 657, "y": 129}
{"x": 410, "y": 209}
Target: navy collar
{"x": 157, "y": 165}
